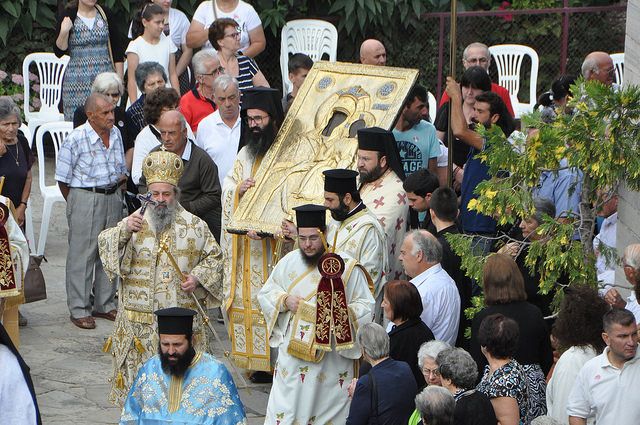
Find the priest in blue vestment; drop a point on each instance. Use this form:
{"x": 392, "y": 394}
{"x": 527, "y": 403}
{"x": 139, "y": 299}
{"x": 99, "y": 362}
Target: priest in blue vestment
{"x": 179, "y": 385}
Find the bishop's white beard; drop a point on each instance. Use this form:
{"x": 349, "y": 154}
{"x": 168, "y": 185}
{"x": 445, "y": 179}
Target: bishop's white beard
{"x": 162, "y": 216}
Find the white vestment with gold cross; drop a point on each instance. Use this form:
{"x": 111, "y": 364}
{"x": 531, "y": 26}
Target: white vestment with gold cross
{"x": 150, "y": 282}
{"x": 362, "y": 238}
{"x": 310, "y": 391}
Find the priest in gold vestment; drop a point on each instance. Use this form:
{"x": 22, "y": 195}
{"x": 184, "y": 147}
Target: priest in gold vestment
{"x": 134, "y": 251}
{"x": 248, "y": 258}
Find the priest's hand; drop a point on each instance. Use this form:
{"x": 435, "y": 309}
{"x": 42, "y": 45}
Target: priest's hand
{"x": 189, "y": 284}
{"x": 289, "y": 230}
{"x": 245, "y": 185}
{"x": 252, "y": 234}
{"x": 134, "y": 222}
{"x": 292, "y": 302}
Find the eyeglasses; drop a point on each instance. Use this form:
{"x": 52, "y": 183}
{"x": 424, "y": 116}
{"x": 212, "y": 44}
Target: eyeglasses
{"x": 429, "y": 372}
{"x": 218, "y": 70}
{"x": 256, "y": 119}
{"x": 312, "y": 239}
{"x": 235, "y": 34}
{"x": 477, "y": 60}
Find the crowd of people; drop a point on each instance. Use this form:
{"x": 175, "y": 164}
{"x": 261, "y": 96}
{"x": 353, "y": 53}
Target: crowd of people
{"x": 355, "y": 310}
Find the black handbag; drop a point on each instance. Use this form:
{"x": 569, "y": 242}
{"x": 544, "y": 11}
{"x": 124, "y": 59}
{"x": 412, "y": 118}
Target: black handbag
{"x": 34, "y": 286}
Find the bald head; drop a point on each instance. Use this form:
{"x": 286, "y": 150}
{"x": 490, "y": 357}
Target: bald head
{"x": 95, "y": 101}
{"x": 173, "y": 131}
{"x": 476, "y": 54}
{"x": 598, "y": 66}
{"x": 372, "y": 52}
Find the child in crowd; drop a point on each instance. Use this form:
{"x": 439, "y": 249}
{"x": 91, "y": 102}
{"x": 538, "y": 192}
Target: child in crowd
{"x": 299, "y": 66}
{"x": 150, "y": 45}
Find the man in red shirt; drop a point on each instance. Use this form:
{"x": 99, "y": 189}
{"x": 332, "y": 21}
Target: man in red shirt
{"x": 477, "y": 54}
{"x": 198, "y": 102}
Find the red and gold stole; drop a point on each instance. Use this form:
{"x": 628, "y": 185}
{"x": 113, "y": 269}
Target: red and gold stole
{"x": 8, "y": 287}
{"x": 332, "y": 313}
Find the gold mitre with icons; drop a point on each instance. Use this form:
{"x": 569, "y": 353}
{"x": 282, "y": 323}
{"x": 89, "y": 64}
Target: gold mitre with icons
{"x": 162, "y": 166}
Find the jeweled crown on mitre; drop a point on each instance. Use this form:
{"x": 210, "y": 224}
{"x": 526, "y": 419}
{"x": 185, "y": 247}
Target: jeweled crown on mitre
{"x": 162, "y": 167}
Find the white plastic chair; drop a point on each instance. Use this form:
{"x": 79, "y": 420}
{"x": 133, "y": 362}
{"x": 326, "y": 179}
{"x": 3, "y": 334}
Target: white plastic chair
{"x": 28, "y": 217}
{"x": 508, "y": 60}
{"x": 433, "y": 107}
{"x": 50, "y": 73}
{"x": 618, "y": 64}
{"x": 312, "y": 37}
{"x": 50, "y": 193}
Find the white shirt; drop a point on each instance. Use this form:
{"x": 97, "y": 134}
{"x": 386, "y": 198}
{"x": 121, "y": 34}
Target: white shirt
{"x": 178, "y": 27}
{"x": 607, "y": 236}
{"x": 144, "y": 144}
{"x": 440, "y": 303}
{"x": 632, "y": 306}
{"x": 609, "y": 394}
{"x": 244, "y": 14}
{"x": 563, "y": 378}
{"x": 16, "y": 403}
{"x": 148, "y": 52}
{"x": 220, "y": 141}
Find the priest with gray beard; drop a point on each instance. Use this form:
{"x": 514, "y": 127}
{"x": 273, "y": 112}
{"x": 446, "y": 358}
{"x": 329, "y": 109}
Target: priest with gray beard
{"x": 139, "y": 251}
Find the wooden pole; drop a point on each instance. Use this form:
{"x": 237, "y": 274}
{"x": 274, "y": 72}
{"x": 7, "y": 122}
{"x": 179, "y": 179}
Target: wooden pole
{"x": 452, "y": 67}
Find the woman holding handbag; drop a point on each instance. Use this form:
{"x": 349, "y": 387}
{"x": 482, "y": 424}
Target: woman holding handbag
{"x": 86, "y": 35}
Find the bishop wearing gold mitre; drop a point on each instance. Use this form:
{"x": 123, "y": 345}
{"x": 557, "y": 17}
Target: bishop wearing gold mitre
{"x": 137, "y": 251}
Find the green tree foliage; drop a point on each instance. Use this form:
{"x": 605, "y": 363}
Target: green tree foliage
{"x": 601, "y": 138}
{"x": 21, "y": 15}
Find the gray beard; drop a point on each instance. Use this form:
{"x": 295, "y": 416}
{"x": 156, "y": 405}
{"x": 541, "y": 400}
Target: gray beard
{"x": 162, "y": 217}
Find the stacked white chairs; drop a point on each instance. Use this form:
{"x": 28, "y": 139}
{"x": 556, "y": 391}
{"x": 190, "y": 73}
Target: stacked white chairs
{"x": 618, "y": 64}
{"x": 508, "y": 59}
{"x": 50, "y": 74}
{"x": 50, "y": 192}
{"x": 309, "y": 36}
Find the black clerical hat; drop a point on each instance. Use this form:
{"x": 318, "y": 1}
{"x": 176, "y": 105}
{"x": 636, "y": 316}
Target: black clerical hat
{"x": 175, "y": 321}
{"x": 263, "y": 98}
{"x": 340, "y": 181}
{"x": 383, "y": 141}
{"x": 375, "y": 139}
{"x": 310, "y": 215}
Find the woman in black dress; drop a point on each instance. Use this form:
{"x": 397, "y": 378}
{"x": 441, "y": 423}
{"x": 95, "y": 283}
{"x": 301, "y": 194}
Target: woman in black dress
{"x": 16, "y": 159}
{"x": 402, "y": 306}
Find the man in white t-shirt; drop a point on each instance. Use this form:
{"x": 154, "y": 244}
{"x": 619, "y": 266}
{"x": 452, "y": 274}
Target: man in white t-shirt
{"x": 219, "y": 133}
{"x": 607, "y": 386}
{"x": 252, "y": 40}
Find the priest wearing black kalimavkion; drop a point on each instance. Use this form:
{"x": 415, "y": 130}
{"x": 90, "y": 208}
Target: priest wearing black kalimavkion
{"x": 313, "y": 303}
{"x": 179, "y": 384}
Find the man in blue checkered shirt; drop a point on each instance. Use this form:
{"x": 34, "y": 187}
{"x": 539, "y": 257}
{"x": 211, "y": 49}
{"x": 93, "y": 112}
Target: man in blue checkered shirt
{"x": 90, "y": 172}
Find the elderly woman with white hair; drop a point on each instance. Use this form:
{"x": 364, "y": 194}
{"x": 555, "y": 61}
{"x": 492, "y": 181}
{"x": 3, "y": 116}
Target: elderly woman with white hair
{"x": 631, "y": 267}
{"x": 427, "y": 362}
{"x": 458, "y": 374}
{"x": 385, "y": 394}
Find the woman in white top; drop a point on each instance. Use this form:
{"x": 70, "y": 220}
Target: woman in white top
{"x": 252, "y": 40}
{"x": 150, "y": 45}
{"x": 578, "y": 334}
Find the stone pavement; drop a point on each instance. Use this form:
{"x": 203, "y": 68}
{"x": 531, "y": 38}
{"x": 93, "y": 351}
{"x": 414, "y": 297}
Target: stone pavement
{"x": 67, "y": 364}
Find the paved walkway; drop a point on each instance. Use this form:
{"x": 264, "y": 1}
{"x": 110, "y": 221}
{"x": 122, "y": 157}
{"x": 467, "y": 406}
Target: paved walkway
{"x": 67, "y": 364}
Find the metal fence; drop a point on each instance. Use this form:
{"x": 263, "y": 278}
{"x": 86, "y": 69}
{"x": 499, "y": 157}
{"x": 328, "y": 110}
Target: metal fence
{"x": 561, "y": 36}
